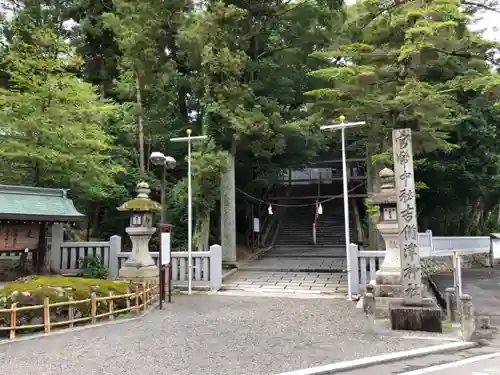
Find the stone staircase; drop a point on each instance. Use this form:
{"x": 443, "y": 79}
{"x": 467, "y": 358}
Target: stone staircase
{"x": 295, "y": 265}
{"x": 295, "y": 237}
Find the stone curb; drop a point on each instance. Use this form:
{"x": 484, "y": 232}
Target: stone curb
{"x": 226, "y": 287}
{"x": 339, "y": 367}
{"x": 251, "y": 258}
{"x": 64, "y": 331}
{"x": 291, "y": 269}
{"x": 257, "y": 254}
{"x": 229, "y": 273}
{"x": 246, "y": 293}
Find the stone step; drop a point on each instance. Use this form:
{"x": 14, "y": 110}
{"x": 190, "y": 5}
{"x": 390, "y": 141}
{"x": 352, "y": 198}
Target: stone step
{"x": 306, "y": 255}
{"x": 309, "y": 241}
{"x": 292, "y": 282}
{"x": 339, "y": 291}
{"x": 310, "y": 229}
{"x": 334, "y": 269}
{"x": 309, "y": 245}
{"x": 309, "y": 248}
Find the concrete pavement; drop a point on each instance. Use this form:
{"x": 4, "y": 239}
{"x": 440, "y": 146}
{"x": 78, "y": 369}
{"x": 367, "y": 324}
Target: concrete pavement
{"x": 212, "y": 335}
{"x": 483, "y": 285}
{"x": 287, "y": 282}
{"x": 291, "y": 275}
{"x": 488, "y": 364}
{"x": 432, "y": 363}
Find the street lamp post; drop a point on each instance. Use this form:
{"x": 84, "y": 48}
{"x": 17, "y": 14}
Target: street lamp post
{"x": 167, "y": 162}
{"x": 188, "y": 139}
{"x": 342, "y": 126}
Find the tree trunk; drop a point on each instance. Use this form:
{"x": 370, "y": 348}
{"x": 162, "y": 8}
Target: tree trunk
{"x": 140, "y": 123}
{"x": 228, "y": 211}
{"x": 202, "y": 231}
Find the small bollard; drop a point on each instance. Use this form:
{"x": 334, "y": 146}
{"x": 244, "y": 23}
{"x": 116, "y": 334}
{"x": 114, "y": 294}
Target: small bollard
{"x": 467, "y": 320}
{"x": 369, "y": 309}
{"x": 483, "y": 322}
{"x": 450, "y": 304}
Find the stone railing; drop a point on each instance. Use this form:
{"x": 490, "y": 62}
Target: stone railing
{"x": 207, "y": 267}
{"x": 66, "y": 258}
{"x": 365, "y": 263}
{"x": 445, "y": 246}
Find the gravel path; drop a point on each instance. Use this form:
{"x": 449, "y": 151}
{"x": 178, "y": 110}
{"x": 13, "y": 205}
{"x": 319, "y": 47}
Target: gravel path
{"x": 210, "y": 335}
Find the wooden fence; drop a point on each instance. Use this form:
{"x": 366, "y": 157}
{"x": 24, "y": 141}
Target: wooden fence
{"x": 144, "y": 296}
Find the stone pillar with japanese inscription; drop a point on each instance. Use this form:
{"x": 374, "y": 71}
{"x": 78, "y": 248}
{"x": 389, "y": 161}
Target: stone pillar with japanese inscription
{"x": 414, "y": 312}
{"x": 140, "y": 266}
{"x": 411, "y": 274}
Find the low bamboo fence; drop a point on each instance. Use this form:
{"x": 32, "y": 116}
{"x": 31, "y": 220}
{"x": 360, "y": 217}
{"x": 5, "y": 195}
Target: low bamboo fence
{"x": 145, "y": 296}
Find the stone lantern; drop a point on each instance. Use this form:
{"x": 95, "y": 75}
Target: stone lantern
{"x": 140, "y": 266}
{"x": 388, "y": 279}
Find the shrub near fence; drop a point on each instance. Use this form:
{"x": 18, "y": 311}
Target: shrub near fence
{"x": 94, "y": 309}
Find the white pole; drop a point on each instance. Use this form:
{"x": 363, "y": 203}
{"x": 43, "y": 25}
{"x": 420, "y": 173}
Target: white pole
{"x": 189, "y": 138}
{"x": 190, "y": 218}
{"x": 346, "y": 217}
{"x": 342, "y": 127}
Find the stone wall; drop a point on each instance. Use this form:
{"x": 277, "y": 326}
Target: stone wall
{"x": 445, "y": 264}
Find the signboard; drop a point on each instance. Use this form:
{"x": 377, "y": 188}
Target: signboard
{"x": 165, "y": 248}
{"x": 19, "y": 237}
{"x": 411, "y": 273}
{"x": 256, "y": 225}
{"x": 389, "y": 213}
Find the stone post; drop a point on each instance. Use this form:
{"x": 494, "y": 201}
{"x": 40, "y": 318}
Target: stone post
{"x": 140, "y": 266}
{"x": 411, "y": 272}
{"x": 55, "y": 246}
{"x": 215, "y": 267}
{"x": 467, "y": 317}
{"x": 369, "y": 308}
{"x": 451, "y": 304}
{"x": 115, "y": 247}
{"x": 412, "y": 313}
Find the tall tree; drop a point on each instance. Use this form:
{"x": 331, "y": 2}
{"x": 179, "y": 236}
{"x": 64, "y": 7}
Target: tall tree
{"x": 51, "y": 121}
{"x": 253, "y": 64}
{"x": 412, "y": 64}
{"x": 96, "y": 43}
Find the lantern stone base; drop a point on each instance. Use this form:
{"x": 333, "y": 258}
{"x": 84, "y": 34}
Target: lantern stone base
{"x": 389, "y": 278}
{"x": 138, "y": 274}
{"x": 425, "y": 316}
{"x": 388, "y": 289}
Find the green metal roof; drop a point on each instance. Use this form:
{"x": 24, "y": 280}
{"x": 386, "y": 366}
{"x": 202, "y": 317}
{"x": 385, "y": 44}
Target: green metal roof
{"x": 31, "y": 203}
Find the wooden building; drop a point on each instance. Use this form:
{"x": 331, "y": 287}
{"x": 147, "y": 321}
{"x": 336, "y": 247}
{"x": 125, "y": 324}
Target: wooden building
{"x": 26, "y": 216}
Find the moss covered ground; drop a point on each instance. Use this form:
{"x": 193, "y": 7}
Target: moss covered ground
{"x": 32, "y": 290}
